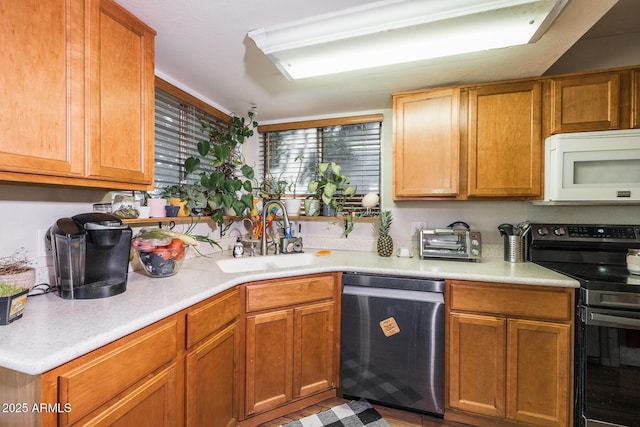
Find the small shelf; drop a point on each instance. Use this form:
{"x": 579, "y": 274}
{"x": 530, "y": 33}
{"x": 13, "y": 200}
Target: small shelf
{"x": 166, "y": 220}
{"x": 196, "y": 219}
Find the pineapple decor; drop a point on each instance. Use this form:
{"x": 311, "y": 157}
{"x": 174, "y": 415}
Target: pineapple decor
{"x": 385, "y": 243}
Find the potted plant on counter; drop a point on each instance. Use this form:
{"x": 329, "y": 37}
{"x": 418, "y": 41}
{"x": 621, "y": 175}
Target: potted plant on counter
{"x": 15, "y": 269}
{"x": 13, "y": 299}
{"x": 17, "y": 278}
{"x": 332, "y": 188}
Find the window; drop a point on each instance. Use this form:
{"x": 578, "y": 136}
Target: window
{"x": 293, "y": 152}
{"x": 178, "y": 128}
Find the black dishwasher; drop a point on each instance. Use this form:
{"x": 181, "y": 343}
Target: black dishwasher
{"x": 392, "y": 345}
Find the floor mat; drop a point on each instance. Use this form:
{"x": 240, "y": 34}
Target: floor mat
{"x": 350, "y": 414}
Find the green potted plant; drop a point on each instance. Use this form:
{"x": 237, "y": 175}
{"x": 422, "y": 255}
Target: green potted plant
{"x": 193, "y": 198}
{"x": 13, "y": 299}
{"x": 273, "y": 188}
{"x": 143, "y": 204}
{"x": 332, "y": 188}
{"x": 227, "y": 184}
{"x": 15, "y": 269}
{"x": 293, "y": 204}
{"x": 17, "y": 277}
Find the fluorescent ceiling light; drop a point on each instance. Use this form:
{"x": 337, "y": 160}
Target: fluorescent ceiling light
{"x": 399, "y": 31}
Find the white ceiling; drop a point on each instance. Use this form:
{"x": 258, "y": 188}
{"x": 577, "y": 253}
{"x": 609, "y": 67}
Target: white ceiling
{"x": 202, "y": 47}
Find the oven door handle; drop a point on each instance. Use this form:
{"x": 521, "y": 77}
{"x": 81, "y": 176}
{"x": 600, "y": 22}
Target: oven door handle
{"x": 595, "y": 318}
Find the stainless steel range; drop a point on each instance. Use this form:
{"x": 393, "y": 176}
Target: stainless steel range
{"x": 607, "y": 341}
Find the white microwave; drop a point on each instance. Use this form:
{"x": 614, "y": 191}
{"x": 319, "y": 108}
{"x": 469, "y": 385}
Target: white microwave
{"x": 601, "y": 166}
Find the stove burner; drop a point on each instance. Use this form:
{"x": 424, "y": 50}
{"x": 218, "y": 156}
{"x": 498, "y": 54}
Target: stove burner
{"x": 595, "y": 255}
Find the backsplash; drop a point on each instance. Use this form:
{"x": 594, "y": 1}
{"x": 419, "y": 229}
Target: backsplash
{"x": 28, "y": 212}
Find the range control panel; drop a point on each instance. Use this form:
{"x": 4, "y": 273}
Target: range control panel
{"x": 584, "y": 232}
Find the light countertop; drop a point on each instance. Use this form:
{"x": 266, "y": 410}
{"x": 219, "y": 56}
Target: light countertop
{"x": 54, "y": 331}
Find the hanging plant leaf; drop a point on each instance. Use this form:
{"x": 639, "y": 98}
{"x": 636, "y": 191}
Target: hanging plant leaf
{"x": 227, "y": 200}
{"x": 203, "y": 148}
{"x": 221, "y": 152}
{"x": 247, "y": 200}
{"x": 191, "y": 165}
{"x": 247, "y": 171}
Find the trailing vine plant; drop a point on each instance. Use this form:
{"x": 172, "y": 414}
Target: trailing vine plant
{"x": 227, "y": 183}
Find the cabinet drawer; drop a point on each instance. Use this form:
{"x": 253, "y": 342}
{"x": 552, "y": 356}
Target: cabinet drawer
{"x": 207, "y": 319}
{"x": 281, "y": 293}
{"x": 92, "y": 384}
{"x": 543, "y": 302}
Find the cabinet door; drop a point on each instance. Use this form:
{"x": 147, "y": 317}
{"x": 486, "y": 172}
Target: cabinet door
{"x": 538, "y": 372}
{"x": 153, "y": 403}
{"x": 586, "y": 103}
{"x": 426, "y": 144}
{"x": 269, "y": 360}
{"x": 505, "y": 141}
{"x": 314, "y": 362}
{"x": 212, "y": 380}
{"x": 635, "y": 99}
{"x": 101, "y": 379}
{"x": 120, "y": 95}
{"x": 41, "y": 84}
{"x": 477, "y": 363}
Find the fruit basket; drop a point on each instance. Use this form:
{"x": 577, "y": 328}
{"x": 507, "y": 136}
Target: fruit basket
{"x": 161, "y": 252}
{"x": 161, "y": 262}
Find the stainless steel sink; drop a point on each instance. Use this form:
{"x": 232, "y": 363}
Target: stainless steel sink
{"x": 257, "y": 263}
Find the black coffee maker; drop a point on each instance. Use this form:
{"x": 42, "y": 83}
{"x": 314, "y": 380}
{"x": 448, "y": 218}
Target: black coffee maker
{"x": 90, "y": 255}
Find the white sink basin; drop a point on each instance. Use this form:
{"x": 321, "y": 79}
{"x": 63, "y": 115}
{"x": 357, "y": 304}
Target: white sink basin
{"x": 256, "y": 263}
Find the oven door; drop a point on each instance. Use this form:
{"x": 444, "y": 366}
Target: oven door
{"x": 608, "y": 368}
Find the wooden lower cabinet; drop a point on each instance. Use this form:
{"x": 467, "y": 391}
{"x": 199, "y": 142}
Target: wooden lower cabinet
{"x": 212, "y": 380}
{"x": 189, "y": 368}
{"x": 133, "y": 381}
{"x": 477, "y": 360}
{"x": 509, "y": 353}
{"x": 212, "y": 362}
{"x": 313, "y": 356}
{"x": 153, "y": 403}
{"x": 269, "y": 360}
{"x": 291, "y": 350}
{"x": 538, "y": 372}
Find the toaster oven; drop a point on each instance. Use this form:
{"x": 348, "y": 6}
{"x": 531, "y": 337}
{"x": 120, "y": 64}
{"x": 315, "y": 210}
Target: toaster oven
{"x": 450, "y": 243}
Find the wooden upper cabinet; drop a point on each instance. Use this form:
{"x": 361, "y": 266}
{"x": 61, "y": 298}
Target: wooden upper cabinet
{"x": 120, "y": 95}
{"x": 635, "y": 99}
{"x": 505, "y": 140}
{"x": 426, "y": 144}
{"x": 585, "y": 103}
{"x": 41, "y": 88}
{"x": 76, "y": 94}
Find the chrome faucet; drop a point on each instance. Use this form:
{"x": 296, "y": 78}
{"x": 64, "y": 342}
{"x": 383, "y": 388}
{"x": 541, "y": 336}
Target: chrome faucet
{"x": 265, "y": 212}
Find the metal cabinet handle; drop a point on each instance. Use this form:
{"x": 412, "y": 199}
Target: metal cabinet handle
{"x": 621, "y": 321}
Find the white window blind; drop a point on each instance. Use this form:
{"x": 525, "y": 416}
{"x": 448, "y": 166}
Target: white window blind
{"x": 354, "y": 147}
{"x": 178, "y": 129}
